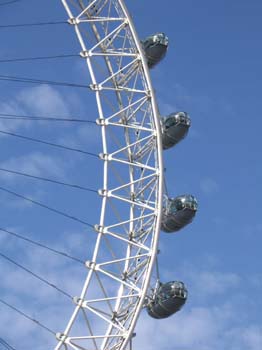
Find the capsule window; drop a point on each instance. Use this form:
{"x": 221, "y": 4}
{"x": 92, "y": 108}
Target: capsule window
{"x": 176, "y": 205}
{"x": 170, "y": 122}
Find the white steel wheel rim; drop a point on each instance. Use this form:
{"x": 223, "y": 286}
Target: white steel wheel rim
{"x": 127, "y": 234}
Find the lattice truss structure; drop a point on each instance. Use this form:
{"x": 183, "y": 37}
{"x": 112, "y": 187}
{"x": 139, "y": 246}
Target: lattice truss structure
{"x": 131, "y": 194}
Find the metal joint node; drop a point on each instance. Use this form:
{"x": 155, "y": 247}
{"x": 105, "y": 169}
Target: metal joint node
{"x": 61, "y": 337}
{"x": 123, "y": 120}
{"x": 85, "y": 54}
{"x": 78, "y": 301}
{"x": 149, "y": 94}
{"x": 103, "y": 156}
{"x": 73, "y": 21}
{"x": 103, "y": 192}
{"x": 124, "y": 276}
{"x": 114, "y": 316}
{"x": 132, "y": 196}
{"x": 90, "y": 264}
{"x": 95, "y": 87}
{"x": 99, "y": 228}
{"x": 139, "y": 58}
{"x": 101, "y": 121}
{"x": 125, "y": 335}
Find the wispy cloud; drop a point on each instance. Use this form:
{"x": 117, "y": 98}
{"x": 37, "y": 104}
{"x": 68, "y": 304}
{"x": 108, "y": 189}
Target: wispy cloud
{"x": 12, "y": 108}
{"x": 43, "y": 100}
{"x": 34, "y": 297}
{"x": 35, "y": 163}
{"x": 216, "y": 315}
{"x": 205, "y": 328}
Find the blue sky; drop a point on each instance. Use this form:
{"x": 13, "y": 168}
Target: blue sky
{"x": 213, "y": 72}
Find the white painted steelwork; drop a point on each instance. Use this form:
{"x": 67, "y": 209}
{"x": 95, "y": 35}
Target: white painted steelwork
{"x": 118, "y": 276}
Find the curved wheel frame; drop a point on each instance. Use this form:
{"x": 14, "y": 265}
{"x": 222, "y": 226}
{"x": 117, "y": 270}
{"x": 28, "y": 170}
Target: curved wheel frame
{"x": 119, "y": 272}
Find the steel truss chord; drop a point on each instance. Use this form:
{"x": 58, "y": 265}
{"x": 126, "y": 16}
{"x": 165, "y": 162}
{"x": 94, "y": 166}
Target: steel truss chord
{"x": 131, "y": 195}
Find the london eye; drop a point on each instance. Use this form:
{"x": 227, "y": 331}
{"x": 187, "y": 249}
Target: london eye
{"x": 132, "y": 195}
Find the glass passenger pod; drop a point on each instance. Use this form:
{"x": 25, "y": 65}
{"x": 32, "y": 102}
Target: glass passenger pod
{"x": 169, "y": 299}
{"x": 174, "y": 128}
{"x": 155, "y": 48}
{"x": 178, "y": 212}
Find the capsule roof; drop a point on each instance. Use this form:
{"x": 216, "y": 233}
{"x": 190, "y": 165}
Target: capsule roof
{"x": 178, "y": 288}
{"x": 160, "y": 38}
{"x": 184, "y": 201}
{"x": 157, "y": 38}
{"x": 178, "y": 117}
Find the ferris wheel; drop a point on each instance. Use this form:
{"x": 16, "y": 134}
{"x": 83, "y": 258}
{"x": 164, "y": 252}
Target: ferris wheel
{"x": 133, "y": 171}
{"x": 135, "y": 205}
{"x": 127, "y": 234}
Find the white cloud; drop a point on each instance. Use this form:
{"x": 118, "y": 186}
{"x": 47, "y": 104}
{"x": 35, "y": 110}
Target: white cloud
{"x": 12, "y": 108}
{"x": 213, "y": 317}
{"x": 195, "y": 326}
{"x": 198, "y": 327}
{"x": 35, "y": 298}
{"x": 35, "y": 163}
{"x": 40, "y": 100}
{"x": 205, "y": 280}
{"x": 167, "y": 108}
{"x": 89, "y": 134}
{"x": 203, "y": 328}
{"x": 207, "y": 283}
{"x": 43, "y": 100}
{"x": 252, "y": 337}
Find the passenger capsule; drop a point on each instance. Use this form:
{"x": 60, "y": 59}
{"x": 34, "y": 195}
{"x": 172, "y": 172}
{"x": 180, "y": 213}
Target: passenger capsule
{"x": 155, "y": 48}
{"x": 174, "y": 128}
{"x": 178, "y": 212}
{"x": 169, "y": 299}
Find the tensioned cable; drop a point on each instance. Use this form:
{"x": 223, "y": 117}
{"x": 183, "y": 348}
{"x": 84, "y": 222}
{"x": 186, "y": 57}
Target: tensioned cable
{"x": 27, "y": 138}
{"x": 25, "y": 59}
{"x": 42, "y": 118}
{"x": 46, "y": 207}
{"x": 11, "y": 78}
{"x": 9, "y": 2}
{"x": 32, "y": 24}
{"x": 30, "y": 272}
{"x": 27, "y": 316}
{"x": 48, "y": 180}
{"x": 6, "y": 345}
{"x": 41, "y": 245}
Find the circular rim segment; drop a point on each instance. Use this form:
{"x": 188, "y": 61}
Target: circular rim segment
{"x": 119, "y": 272}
